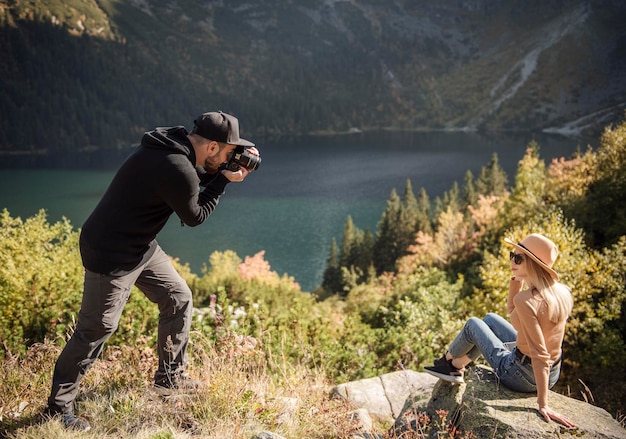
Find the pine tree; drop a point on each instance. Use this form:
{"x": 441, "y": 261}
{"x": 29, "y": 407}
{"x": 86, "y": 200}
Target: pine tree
{"x": 439, "y": 208}
{"x": 386, "y": 246}
{"x": 407, "y": 220}
{"x": 530, "y": 186}
{"x": 409, "y": 202}
{"x": 492, "y": 179}
{"x": 350, "y": 244}
{"x": 424, "y": 221}
{"x": 366, "y": 251}
{"x": 451, "y": 200}
{"x": 469, "y": 196}
{"x": 331, "y": 282}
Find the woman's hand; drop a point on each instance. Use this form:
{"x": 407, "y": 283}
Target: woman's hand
{"x": 549, "y": 414}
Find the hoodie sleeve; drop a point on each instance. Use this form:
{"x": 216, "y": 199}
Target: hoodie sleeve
{"x": 192, "y": 203}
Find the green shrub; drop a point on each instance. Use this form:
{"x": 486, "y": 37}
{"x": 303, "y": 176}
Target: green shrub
{"x": 41, "y": 279}
{"x": 41, "y": 284}
{"x": 591, "y": 188}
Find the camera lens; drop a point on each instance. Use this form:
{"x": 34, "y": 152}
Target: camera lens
{"x": 250, "y": 161}
{"x": 241, "y": 157}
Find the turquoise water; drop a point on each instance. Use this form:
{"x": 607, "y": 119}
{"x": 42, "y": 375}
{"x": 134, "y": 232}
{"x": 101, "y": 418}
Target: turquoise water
{"x": 300, "y": 197}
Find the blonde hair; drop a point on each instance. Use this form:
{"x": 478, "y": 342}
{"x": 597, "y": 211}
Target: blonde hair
{"x": 558, "y": 296}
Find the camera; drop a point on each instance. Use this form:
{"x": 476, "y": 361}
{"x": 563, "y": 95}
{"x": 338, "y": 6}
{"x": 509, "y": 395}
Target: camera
{"x": 241, "y": 157}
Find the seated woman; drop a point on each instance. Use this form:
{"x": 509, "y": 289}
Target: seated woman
{"x": 525, "y": 355}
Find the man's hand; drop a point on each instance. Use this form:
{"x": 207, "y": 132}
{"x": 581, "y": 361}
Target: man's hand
{"x": 241, "y": 173}
{"x": 236, "y": 176}
{"x": 549, "y": 414}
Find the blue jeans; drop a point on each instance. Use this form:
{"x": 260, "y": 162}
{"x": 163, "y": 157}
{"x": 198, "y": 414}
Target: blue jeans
{"x": 487, "y": 337}
{"x": 103, "y": 301}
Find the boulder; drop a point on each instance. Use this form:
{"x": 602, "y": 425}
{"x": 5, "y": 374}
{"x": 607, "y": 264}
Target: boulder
{"x": 384, "y": 396}
{"x": 489, "y": 410}
{"x": 419, "y": 402}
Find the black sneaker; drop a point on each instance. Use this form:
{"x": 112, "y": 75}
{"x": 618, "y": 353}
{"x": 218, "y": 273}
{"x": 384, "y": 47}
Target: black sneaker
{"x": 179, "y": 384}
{"x": 443, "y": 369}
{"x": 69, "y": 420}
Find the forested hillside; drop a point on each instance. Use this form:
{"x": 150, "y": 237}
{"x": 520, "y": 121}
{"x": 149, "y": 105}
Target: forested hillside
{"x": 86, "y": 75}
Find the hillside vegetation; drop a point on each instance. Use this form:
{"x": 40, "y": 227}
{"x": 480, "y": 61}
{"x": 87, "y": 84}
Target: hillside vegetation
{"x": 86, "y": 75}
{"x": 259, "y": 342}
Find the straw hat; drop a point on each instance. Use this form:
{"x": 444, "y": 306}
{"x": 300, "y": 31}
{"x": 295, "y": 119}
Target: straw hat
{"x": 540, "y": 249}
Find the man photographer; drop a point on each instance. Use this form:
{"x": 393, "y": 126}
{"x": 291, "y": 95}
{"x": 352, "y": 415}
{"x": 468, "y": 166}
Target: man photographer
{"x": 173, "y": 171}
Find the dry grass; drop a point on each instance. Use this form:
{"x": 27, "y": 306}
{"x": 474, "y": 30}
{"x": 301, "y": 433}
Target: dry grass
{"x": 246, "y": 392}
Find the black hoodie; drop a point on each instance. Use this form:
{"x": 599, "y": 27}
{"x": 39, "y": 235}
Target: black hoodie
{"x": 158, "y": 179}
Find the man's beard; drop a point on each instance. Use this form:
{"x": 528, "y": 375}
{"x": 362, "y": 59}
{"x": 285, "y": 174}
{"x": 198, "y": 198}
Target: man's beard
{"x": 210, "y": 167}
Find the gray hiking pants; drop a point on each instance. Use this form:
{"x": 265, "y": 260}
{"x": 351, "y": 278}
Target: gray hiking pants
{"x": 104, "y": 298}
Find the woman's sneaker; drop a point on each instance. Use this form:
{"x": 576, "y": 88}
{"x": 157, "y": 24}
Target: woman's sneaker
{"x": 443, "y": 369}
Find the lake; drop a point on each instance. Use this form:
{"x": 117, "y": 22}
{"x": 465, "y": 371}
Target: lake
{"x": 299, "y": 198}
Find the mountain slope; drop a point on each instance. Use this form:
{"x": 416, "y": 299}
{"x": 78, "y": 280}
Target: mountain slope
{"x": 94, "y": 74}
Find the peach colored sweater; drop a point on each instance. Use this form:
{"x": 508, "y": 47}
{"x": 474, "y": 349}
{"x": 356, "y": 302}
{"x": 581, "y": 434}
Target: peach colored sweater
{"x": 537, "y": 336}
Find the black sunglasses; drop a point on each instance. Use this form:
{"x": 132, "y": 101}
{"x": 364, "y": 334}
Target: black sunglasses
{"x": 516, "y": 257}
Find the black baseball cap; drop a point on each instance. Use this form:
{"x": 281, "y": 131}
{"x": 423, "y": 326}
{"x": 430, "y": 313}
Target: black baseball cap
{"x": 220, "y": 127}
